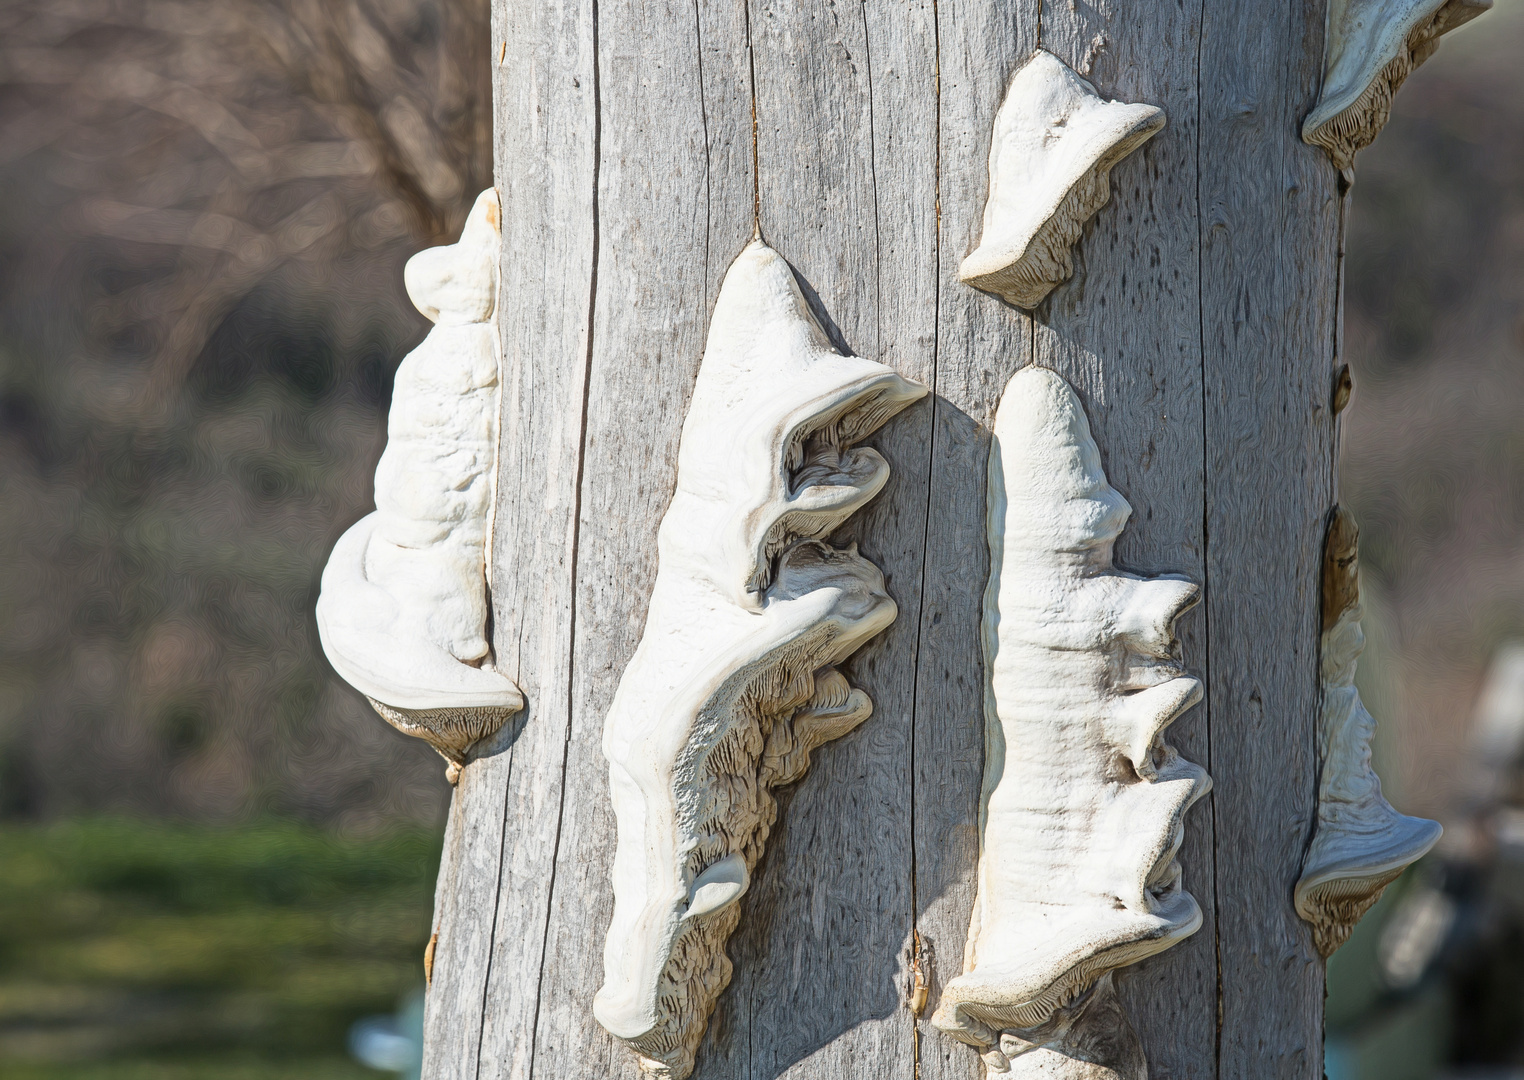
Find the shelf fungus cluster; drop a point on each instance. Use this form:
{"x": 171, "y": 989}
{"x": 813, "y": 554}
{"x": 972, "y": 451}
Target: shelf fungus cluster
{"x": 1369, "y": 49}
{"x": 734, "y": 682}
{"x": 1051, "y": 155}
{"x": 1083, "y": 802}
{"x": 1362, "y": 844}
{"x": 404, "y": 604}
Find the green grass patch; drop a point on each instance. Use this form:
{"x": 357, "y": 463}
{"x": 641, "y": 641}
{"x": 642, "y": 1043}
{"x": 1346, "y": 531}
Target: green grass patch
{"x": 134, "y": 949}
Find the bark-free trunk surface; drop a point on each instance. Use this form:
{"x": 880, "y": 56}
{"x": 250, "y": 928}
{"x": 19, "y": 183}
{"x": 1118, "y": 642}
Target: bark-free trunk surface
{"x": 638, "y": 143}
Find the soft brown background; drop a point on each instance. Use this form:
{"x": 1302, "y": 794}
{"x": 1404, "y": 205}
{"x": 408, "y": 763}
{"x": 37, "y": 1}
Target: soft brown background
{"x": 1433, "y": 454}
{"x": 204, "y": 209}
{"x": 204, "y": 212}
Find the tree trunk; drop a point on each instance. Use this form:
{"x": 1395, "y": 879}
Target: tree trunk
{"x": 637, "y": 145}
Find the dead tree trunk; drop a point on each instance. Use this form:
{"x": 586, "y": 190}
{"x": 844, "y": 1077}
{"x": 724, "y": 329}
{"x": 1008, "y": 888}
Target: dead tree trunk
{"x": 638, "y": 145}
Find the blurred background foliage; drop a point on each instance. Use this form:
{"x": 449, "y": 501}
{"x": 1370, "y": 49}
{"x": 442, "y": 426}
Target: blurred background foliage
{"x": 172, "y": 951}
{"x": 215, "y": 857}
{"x": 1433, "y": 454}
{"x": 204, "y": 212}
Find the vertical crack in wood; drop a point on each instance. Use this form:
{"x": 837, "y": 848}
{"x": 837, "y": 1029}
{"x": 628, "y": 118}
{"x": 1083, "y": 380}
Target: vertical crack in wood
{"x": 1209, "y": 717}
{"x": 931, "y": 457}
{"x": 497, "y": 897}
{"x": 756, "y": 159}
{"x": 878, "y": 283}
{"x": 698, "y": 38}
{"x": 576, "y": 525}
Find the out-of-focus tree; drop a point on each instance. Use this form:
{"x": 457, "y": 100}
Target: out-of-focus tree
{"x": 204, "y": 209}
{"x": 1434, "y": 447}
{"x": 242, "y": 136}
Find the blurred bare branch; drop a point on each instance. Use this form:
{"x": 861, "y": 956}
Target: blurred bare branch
{"x": 245, "y": 135}
{"x": 204, "y": 212}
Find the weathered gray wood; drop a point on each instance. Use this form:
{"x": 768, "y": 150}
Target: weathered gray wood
{"x": 1268, "y": 207}
{"x": 1199, "y": 333}
{"x": 981, "y": 342}
{"x": 674, "y": 207}
{"x": 487, "y": 970}
{"x": 1126, "y": 333}
{"x": 846, "y": 181}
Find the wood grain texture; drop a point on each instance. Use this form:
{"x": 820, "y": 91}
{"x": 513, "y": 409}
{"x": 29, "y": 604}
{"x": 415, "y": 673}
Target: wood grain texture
{"x": 981, "y": 342}
{"x": 1126, "y": 334}
{"x": 675, "y": 206}
{"x": 845, "y": 99}
{"x": 1269, "y": 286}
{"x": 1199, "y": 333}
{"x": 488, "y": 971}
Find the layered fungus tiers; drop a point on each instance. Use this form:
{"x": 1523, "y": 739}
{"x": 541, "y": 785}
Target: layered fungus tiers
{"x": 1054, "y": 145}
{"x": 1083, "y": 799}
{"x": 1362, "y": 844}
{"x": 403, "y": 608}
{"x": 1369, "y": 50}
{"x": 734, "y": 682}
